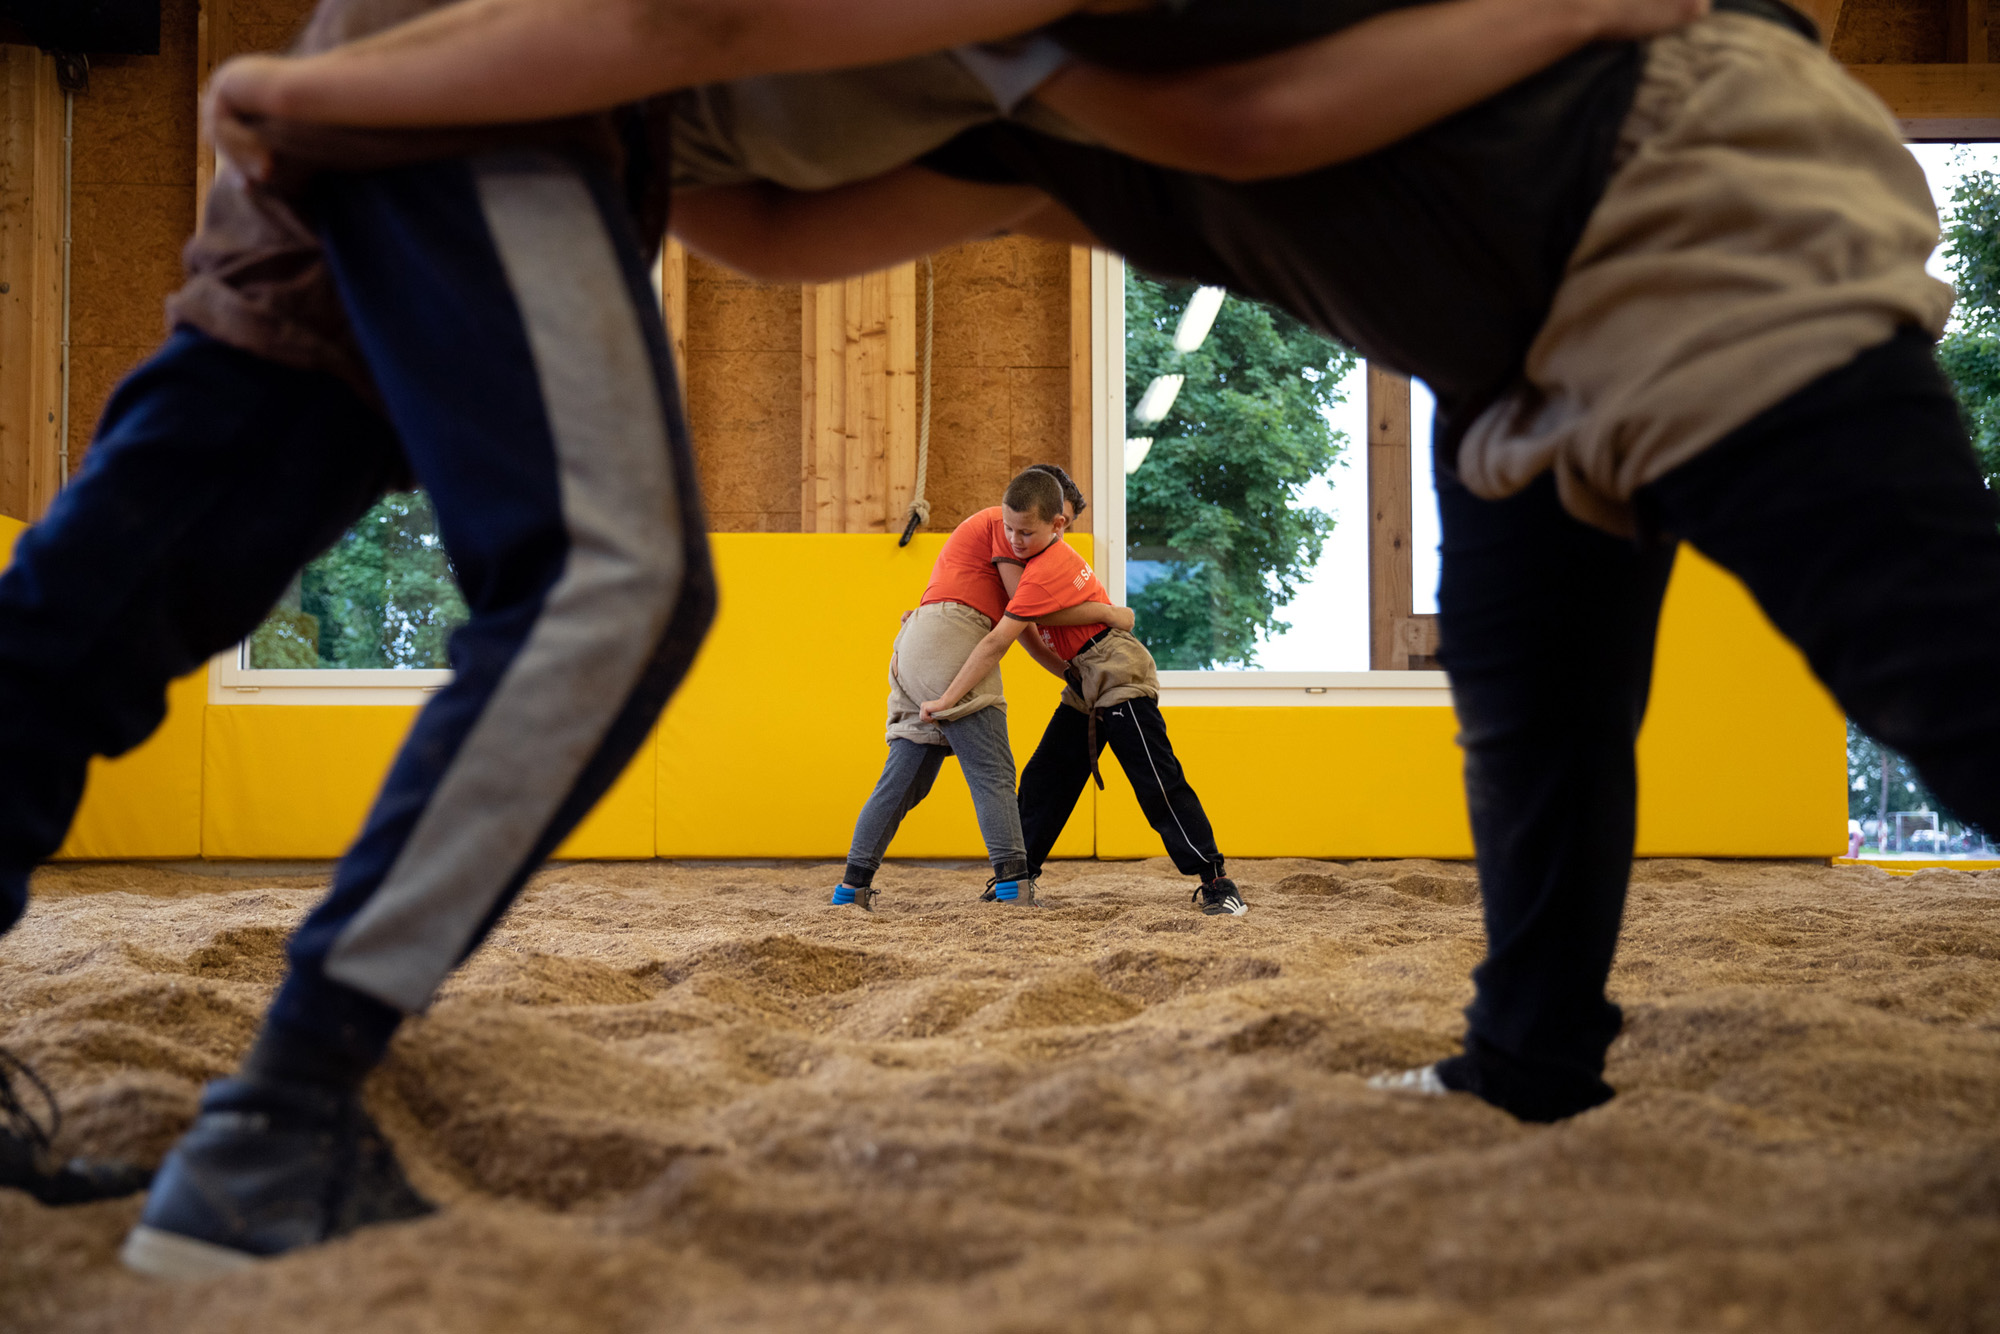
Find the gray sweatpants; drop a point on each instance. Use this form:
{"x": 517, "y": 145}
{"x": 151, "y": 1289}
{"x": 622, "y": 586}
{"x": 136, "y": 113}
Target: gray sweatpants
{"x": 987, "y": 760}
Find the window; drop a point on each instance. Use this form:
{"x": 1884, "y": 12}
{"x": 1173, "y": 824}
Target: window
{"x": 1238, "y": 511}
{"x": 375, "y": 612}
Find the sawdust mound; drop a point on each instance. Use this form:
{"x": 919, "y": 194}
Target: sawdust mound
{"x": 697, "y": 1098}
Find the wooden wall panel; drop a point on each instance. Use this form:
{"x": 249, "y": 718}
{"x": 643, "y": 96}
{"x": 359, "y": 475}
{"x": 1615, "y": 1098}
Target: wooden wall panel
{"x": 1003, "y": 377}
{"x": 858, "y": 402}
{"x": 1874, "y": 32}
{"x": 226, "y": 28}
{"x": 742, "y": 386}
{"x": 133, "y": 209}
{"x": 31, "y": 132}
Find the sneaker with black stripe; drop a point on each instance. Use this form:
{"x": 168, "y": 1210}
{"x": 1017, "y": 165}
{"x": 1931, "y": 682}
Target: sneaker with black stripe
{"x": 1219, "y": 898}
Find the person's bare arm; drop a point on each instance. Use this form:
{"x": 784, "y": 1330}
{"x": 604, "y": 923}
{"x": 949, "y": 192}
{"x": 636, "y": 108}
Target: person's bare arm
{"x": 792, "y": 236}
{"x": 1347, "y": 94}
{"x": 481, "y": 62}
{"x": 1091, "y": 613}
{"x": 985, "y": 656}
{"x": 1046, "y": 656}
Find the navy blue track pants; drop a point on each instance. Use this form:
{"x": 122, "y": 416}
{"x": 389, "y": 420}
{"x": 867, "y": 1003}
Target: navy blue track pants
{"x": 507, "y": 318}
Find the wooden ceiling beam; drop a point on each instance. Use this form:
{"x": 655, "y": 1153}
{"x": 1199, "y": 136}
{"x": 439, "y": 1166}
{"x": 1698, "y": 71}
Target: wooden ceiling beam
{"x": 1938, "y": 102}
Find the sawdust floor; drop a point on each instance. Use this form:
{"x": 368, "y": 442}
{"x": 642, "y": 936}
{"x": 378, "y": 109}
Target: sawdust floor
{"x": 674, "y": 1098}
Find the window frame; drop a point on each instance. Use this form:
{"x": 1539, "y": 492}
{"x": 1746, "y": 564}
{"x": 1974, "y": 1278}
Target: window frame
{"x": 1235, "y": 688}
{"x": 231, "y": 680}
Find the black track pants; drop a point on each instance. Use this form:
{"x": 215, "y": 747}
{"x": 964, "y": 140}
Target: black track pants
{"x": 1856, "y": 516}
{"x": 1137, "y": 735}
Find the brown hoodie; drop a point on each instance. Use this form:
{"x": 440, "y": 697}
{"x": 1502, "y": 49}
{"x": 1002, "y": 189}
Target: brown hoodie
{"x": 256, "y": 276}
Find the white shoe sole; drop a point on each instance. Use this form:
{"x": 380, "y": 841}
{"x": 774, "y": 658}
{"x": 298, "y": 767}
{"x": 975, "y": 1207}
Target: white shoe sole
{"x": 158, "y": 1254}
{"x": 1423, "y": 1080}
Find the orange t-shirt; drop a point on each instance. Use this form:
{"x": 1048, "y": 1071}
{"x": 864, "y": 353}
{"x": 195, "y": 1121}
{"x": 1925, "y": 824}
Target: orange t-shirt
{"x": 964, "y": 571}
{"x": 1056, "y": 578}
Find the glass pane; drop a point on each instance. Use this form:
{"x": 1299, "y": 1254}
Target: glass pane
{"x": 1245, "y": 491}
{"x": 1891, "y": 811}
{"x": 384, "y": 596}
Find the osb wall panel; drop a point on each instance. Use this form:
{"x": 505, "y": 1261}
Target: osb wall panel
{"x": 266, "y": 25}
{"x": 743, "y": 398}
{"x": 1000, "y": 387}
{"x": 1893, "y": 32}
{"x": 132, "y": 208}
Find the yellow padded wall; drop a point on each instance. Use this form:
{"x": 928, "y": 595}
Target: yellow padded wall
{"x": 1314, "y": 782}
{"x": 293, "y": 781}
{"x": 146, "y": 803}
{"x": 776, "y": 740}
{"x": 1744, "y": 754}
{"x": 297, "y": 781}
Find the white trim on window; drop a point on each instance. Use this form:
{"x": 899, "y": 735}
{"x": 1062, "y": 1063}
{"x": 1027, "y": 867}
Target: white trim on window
{"x": 1107, "y": 420}
{"x": 230, "y": 681}
{"x": 1307, "y": 690}
{"x": 1382, "y": 689}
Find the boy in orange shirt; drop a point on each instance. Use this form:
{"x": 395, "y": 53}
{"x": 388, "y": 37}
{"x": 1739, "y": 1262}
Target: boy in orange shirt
{"x": 1111, "y": 694}
{"x": 964, "y": 601}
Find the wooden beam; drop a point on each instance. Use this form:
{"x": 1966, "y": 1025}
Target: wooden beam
{"x": 1389, "y": 518}
{"x": 673, "y": 285}
{"x": 31, "y": 282}
{"x": 1965, "y": 31}
{"x": 1080, "y": 386}
{"x": 215, "y": 42}
{"x": 1938, "y": 102}
{"x": 1825, "y": 15}
{"x": 858, "y": 417}
{"x": 822, "y": 349}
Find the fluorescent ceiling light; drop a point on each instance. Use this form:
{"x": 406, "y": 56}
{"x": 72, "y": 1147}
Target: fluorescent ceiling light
{"x": 1136, "y": 449}
{"x": 1158, "y": 400}
{"x": 1198, "y": 318}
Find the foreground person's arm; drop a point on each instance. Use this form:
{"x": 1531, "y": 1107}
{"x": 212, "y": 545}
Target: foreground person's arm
{"x": 1347, "y": 94}
{"x": 481, "y": 62}
{"x": 790, "y": 236}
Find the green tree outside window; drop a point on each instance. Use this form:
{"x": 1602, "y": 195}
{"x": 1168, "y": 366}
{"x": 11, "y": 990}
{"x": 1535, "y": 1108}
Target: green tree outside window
{"x": 1216, "y": 540}
{"x": 383, "y": 596}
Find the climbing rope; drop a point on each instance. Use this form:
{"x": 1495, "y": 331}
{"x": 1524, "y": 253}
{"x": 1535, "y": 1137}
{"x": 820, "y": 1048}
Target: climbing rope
{"x": 920, "y": 508}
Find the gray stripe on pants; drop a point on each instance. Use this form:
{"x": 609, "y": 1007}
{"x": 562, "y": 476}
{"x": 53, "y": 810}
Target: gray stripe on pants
{"x": 600, "y": 622}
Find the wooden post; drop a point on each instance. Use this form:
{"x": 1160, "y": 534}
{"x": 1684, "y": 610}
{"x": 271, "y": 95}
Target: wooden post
{"x": 1389, "y": 576}
{"x": 1398, "y": 639}
{"x": 31, "y": 282}
{"x": 215, "y": 42}
{"x": 1825, "y": 14}
{"x": 858, "y": 402}
{"x": 674, "y": 302}
{"x": 1965, "y": 31}
{"x": 1080, "y": 386}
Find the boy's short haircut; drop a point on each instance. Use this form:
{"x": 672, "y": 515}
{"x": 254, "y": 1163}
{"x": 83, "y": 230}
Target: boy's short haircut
{"x": 1072, "y": 493}
{"x": 1034, "y": 491}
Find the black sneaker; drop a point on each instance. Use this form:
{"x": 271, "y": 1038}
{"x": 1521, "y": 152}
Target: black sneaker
{"x": 27, "y": 1160}
{"x": 265, "y": 1169}
{"x": 1218, "y": 897}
